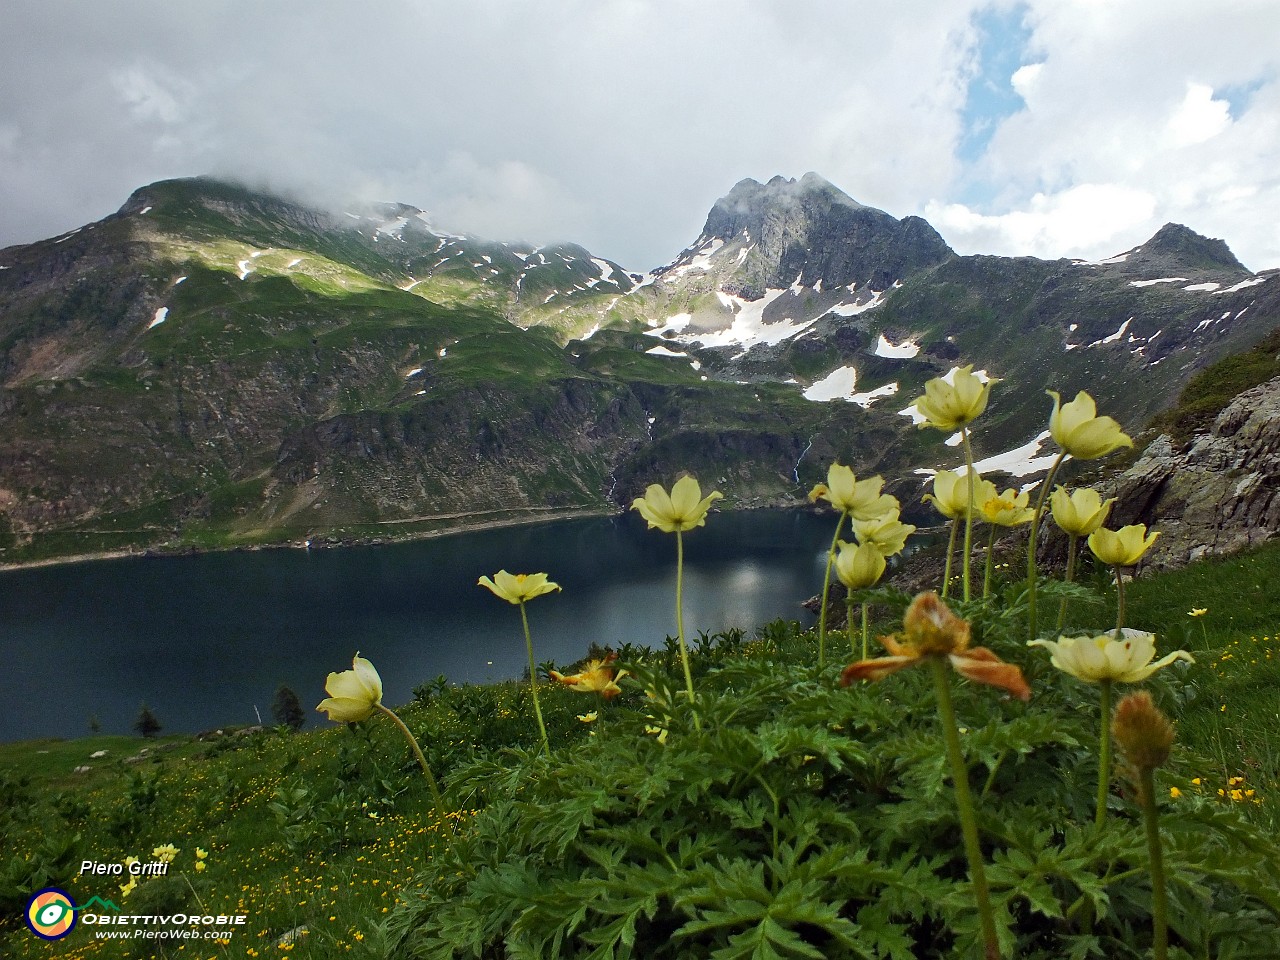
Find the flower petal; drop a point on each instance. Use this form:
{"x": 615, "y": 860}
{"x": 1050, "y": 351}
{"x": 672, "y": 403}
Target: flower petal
{"x": 876, "y": 669}
{"x": 982, "y": 666}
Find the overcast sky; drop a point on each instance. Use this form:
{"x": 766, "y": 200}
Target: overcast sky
{"x": 1051, "y": 127}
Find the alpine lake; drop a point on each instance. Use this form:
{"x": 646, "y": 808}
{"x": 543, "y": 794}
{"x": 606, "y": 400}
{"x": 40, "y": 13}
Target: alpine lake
{"x": 206, "y": 640}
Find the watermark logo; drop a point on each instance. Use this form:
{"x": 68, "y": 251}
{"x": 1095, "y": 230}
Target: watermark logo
{"x": 51, "y": 914}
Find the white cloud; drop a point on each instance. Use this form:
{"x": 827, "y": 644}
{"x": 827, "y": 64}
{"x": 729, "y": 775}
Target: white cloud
{"x": 618, "y": 125}
{"x": 1199, "y": 117}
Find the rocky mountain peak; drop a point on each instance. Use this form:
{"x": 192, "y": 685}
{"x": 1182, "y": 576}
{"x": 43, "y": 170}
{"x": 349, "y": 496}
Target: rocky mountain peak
{"x": 1177, "y": 247}
{"x": 812, "y": 228}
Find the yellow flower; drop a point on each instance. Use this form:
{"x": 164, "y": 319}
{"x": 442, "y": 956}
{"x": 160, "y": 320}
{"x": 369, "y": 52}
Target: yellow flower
{"x": 353, "y": 694}
{"x": 130, "y": 861}
{"x": 1094, "y": 659}
{"x": 596, "y": 677}
{"x": 659, "y": 732}
{"x": 588, "y": 717}
{"x": 1077, "y": 429}
{"x": 950, "y": 495}
{"x": 948, "y": 406}
{"x": 682, "y": 509}
{"x": 199, "y": 866}
{"x": 128, "y": 888}
{"x": 887, "y": 533}
{"x": 518, "y": 587}
{"x": 165, "y": 853}
{"x": 1009, "y": 509}
{"x": 201, "y": 854}
{"x": 1079, "y": 512}
{"x": 1123, "y": 547}
{"x": 930, "y": 629}
{"x": 1197, "y": 611}
{"x": 1175, "y": 793}
{"x": 859, "y": 566}
{"x": 848, "y": 494}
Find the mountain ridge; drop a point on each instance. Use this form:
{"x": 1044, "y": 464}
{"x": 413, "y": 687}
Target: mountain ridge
{"x": 212, "y": 366}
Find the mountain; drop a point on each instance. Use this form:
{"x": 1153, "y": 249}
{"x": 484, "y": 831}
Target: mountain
{"x": 214, "y": 366}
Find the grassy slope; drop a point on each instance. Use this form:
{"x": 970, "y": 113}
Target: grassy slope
{"x": 327, "y": 828}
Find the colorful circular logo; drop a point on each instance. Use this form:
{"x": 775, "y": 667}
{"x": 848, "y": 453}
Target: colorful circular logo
{"x": 51, "y": 914}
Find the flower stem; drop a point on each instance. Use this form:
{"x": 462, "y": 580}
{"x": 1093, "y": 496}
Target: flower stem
{"x": 533, "y": 681}
{"x": 1073, "y": 545}
{"x": 422, "y": 760}
{"x": 1031, "y": 544}
{"x": 1119, "y": 603}
{"x": 848, "y": 619}
{"x": 826, "y": 592}
{"x": 964, "y": 805}
{"x": 864, "y": 630}
{"x": 684, "y": 650}
{"x": 968, "y": 516}
{"x": 986, "y": 575}
{"x": 1104, "y": 756}
{"x": 1159, "y": 896}
{"x": 951, "y": 549}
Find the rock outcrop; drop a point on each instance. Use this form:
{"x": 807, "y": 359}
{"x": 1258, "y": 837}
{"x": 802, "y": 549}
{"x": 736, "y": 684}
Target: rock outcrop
{"x": 1219, "y": 494}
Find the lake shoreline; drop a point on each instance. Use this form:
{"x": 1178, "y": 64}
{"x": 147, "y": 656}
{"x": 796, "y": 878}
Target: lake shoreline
{"x": 322, "y": 541}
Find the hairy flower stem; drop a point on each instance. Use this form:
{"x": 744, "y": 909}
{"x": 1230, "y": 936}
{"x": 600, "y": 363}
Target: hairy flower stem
{"x": 986, "y": 574}
{"x": 826, "y": 592}
{"x": 1159, "y": 896}
{"x": 422, "y": 760}
{"x": 964, "y": 805}
{"x": 1031, "y": 544}
{"x": 684, "y": 650}
{"x": 533, "y": 681}
{"x": 853, "y": 638}
{"x": 1104, "y": 756}
{"x": 1073, "y": 545}
{"x": 864, "y": 630}
{"x": 1119, "y": 603}
{"x": 968, "y": 517}
{"x": 951, "y": 549}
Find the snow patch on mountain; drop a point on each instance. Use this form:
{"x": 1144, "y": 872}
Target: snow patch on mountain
{"x": 904, "y": 350}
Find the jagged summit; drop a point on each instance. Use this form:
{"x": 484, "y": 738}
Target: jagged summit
{"x": 810, "y": 227}
{"x": 1176, "y": 249}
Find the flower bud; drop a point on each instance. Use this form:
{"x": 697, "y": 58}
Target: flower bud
{"x": 1142, "y": 731}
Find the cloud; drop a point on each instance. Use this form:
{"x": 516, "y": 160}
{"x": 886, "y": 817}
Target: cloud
{"x": 618, "y": 125}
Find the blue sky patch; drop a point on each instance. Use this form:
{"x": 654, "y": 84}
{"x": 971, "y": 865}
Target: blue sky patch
{"x": 1001, "y": 49}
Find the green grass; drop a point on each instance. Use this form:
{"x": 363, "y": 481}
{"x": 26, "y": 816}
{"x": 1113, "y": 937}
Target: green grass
{"x": 334, "y": 830}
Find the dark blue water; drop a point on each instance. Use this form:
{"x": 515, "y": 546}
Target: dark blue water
{"x": 205, "y": 640}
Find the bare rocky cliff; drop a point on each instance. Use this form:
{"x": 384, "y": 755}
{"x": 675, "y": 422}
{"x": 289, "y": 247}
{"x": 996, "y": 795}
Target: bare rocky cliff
{"x": 1217, "y": 494}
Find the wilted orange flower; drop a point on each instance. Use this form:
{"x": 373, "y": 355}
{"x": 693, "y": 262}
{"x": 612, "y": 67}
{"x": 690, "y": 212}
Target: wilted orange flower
{"x": 596, "y": 677}
{"x": 930, "y": 629}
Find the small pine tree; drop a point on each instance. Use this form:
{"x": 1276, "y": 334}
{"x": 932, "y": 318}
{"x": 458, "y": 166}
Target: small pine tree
{"x": 146, "y": 724}
{"x": 287, "y": 709}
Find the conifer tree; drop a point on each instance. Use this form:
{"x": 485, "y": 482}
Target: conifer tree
{"x": 146, "y": 724}
{"x": 287, "y": 709}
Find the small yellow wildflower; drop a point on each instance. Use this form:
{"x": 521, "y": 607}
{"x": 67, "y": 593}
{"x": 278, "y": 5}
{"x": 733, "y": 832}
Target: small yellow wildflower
{"x": 1175, "y": 793}
{"x": 1197, "y": 611}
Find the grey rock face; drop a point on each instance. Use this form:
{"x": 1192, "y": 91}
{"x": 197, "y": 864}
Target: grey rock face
{"x": 1220, "y": 494}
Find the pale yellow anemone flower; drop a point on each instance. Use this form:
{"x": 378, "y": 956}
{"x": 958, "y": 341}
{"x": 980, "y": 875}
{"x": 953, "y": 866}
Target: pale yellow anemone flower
{"x": 1008, "y": 509}
{"x": 1078, "y": 430}
{"x": 353, "y": 694}
{"x": 848, "y": 494}
{"x": 1123, "y": 547}
{"x": 860, "y": 566}
{"x": 1104, "y": 658}
{"x": 516, "y": 588}
{"x": 949, "y": 406}
{"x": 887, "y": 533}
{"x": 597, "y": 676}
{"x": 950, "y": 495}
{"x": 682, "y": 509}
{"x": 1079, "y": 512}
